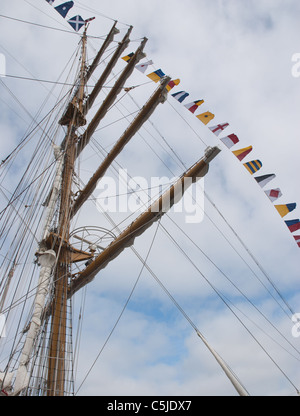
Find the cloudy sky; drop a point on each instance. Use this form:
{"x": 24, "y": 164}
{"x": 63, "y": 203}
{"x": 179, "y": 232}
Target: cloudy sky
{"x": 237, "y": 57}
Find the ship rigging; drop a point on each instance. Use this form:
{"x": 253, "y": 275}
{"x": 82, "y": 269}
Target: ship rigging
{"x": 44, "y": 219}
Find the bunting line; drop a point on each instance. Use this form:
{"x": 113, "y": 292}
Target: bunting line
{"x": 229, "y": 141}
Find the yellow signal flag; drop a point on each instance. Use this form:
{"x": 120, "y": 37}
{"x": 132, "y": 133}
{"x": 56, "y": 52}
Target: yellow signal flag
{"x": 128, "y": 57}
{"x": 172, "y": 84}
{"x": 253, "y": 166}
{"x": 206, "y": 117}
{"x": 242, "y": 153}
{"x": 283, "y": 210}
{"x": 156, "y": 75}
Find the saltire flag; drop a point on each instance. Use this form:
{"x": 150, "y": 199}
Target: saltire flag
{"x": 242, "y": 153}
{"x": 156, "y": 75}
{"x": 172, "y": 84}
{"x": 192, "y": 107}
{"x": 230, "y": 140}
{"x": 273, "y": 194}
{"x": 180, "y": 96}
{"x": 50, "y": 1}
{"x": 283, "y": 210}
{"x": 143, "y": 67}
{"x": 253, "y": 166}
{"x": 64, "y": 8}
{"x": 297, "y": 238}
{"x": 128, "y": 57}
{"x": 217, "y": 129}
{"x": 206, "y": 117}
{"x": 263, "y": 180}
{"x": 76, "y": 22}
{"x": 293, "y": 225}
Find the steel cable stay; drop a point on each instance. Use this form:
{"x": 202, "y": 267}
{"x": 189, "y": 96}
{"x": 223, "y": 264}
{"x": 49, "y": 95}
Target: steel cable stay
{"x": 226, "y": 301}
{"x": 96, "y": 12}
{"x": 46, "y": 81}
{"x": 48, "y": 27}
{"x": 232, "y": 283}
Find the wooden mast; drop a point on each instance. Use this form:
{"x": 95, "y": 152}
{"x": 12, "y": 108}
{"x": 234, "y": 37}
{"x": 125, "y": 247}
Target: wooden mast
{"x": 57, "y": 343}
{"x": 56, "y": 368}
{"x": 74, "y": 117}
{"x": 69, "y": 113}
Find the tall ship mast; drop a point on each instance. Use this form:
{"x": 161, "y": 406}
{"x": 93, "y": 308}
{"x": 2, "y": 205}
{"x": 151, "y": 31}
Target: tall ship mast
{"x": 55, "y": 254}
{"x": 47, "y": 238}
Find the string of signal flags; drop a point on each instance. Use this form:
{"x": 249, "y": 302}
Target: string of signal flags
{"x": 229, "y": 141}
{"x": 76, "y": 22}
{"x": 252, "y": 166}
